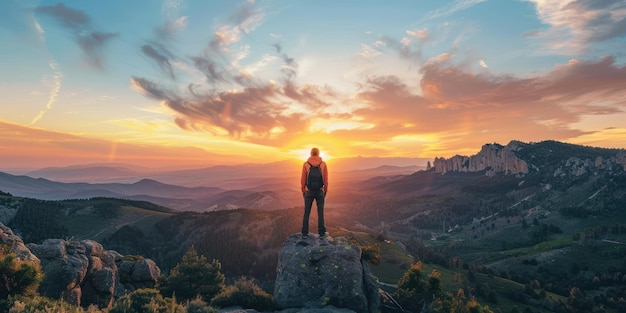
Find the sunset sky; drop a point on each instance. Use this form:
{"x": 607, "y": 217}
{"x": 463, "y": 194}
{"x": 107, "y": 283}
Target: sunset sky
{"x": 181, "y": 83}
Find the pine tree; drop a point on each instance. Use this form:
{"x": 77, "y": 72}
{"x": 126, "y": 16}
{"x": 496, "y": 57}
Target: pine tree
{"x": 17, "y": 277}
{"x": 193, "y": 277}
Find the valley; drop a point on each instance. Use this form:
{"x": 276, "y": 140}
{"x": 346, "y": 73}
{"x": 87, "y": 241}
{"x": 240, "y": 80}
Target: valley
{"x": 549, "y": 240}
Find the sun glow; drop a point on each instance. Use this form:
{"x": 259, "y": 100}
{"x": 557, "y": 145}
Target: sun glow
{"x": 305, "y": 153}
{"x": 334, "y": 124}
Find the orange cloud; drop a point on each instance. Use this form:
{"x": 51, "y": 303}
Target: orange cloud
{"x": 458, "y": 104}
{"x": 452, "y": 104}
{"x": 24, "y": 147}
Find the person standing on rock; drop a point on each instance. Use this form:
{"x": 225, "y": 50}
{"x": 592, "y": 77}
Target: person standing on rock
{"x": 314, "y": 184}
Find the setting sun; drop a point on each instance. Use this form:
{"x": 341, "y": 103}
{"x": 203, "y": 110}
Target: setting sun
{"x": 190, "y": 85}
{"x": 305, "y": 153}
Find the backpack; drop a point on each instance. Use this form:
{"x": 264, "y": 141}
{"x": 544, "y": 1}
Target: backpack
{"x": 314, "y": 179}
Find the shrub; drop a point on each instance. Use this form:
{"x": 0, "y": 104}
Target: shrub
{"x": 245, "y": 293}
{"x": 412, "y": 288}
{"x": 146, "y": 300}
{"x": 17, "y": 278}
{"x": 197, "y": 305}
{"x": 193, "y": 277}
{"x": 371, "y": 254}
{"x": 449, "y": 303}
{"x": 40, "y": 304}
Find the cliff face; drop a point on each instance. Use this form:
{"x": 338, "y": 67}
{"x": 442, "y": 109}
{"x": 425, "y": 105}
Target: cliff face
{"x": 492, "y": 157}
{"x": 327, "y": 273}
{"x": 554, "y": 157}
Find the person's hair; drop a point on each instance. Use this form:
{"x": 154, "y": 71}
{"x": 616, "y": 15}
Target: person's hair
{"x": 315, "y": 152}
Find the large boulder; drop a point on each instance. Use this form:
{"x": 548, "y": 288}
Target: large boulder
{"x": 137, "y": 273}
{"x": 16, "y": 245}
{"x": 65, "y": 264}
{"x": 84, "y": 273}
{"x": 322, "y": 275}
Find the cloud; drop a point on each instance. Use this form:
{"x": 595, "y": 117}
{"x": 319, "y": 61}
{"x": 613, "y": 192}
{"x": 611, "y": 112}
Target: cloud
{"x": 16, "y": 17}
{"x": 54, "y": 92}
{"x": 93, "y": 46}
{"x": 209, "y": 68}
{"x": 68, "y": 17}
{"x": 457, "y": 5}
{"x": 159, "y": 58}
{"x": 24, "y": 147}
{"x": 421, "y": 34}
{"x": 368, "y": 52}
{"x": 455, "y": 103}
{"x": 447, "y": 97}
{"x": 573, "y": 25}
{"x": 170, "y": 8}
{"x": 402, "y": 47}
{"x": 253, "y": 114}
{"x": 172, "y": 27}
{"x": 91, "y": 41}
{"x": 243, "y": 21}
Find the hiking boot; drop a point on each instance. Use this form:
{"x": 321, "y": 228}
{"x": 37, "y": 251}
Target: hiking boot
{"x": 323, "y": 235}
{"x": 305, "y": 236}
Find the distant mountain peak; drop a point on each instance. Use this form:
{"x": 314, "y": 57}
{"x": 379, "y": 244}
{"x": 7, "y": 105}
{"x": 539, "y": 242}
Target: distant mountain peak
{"x": 147, "y": 181}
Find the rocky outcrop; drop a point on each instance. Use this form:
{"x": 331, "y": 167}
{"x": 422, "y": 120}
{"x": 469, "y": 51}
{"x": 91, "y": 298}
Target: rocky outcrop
{"x": 137, "y": 274}
{"x": 84, "y": 273}
{"x": 564, "y": 159}
{"x": 326, "y": 274}
{"x": 16, "y": 245}
{"x": 493, "y": 158}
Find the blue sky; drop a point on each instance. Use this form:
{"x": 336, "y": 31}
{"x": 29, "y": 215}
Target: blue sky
{"x": 238, "y": 81}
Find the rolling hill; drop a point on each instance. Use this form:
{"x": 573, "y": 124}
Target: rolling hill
{"x": 533, "y": 226}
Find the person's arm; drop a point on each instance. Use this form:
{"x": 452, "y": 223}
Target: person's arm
{"x": 325, "y": 176}
{"x": 303, "y": 178}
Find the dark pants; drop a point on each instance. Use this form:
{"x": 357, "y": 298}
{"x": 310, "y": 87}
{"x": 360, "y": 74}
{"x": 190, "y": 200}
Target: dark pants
{"x": 309, "y": 196}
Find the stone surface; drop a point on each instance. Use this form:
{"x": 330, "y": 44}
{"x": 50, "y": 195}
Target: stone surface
{"x": 492, "y": 157}
{"x": 16, "y": 245}
{"x": 64, "y": 268}
{"x": 84, "y": 273}
{"x": 145, "y": 270}
{"x": 315, "y": 274}
{"x": 497, "y": 159}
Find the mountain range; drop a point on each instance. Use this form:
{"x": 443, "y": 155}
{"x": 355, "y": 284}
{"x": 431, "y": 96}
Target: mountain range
{"x": 260, "y": 186}
{"x": 524, "y": 225}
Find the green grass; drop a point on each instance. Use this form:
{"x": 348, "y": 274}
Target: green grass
{"x": 504, "y": 287}
{"x": 556, "y": 243}
{"x": 388, "y": 272}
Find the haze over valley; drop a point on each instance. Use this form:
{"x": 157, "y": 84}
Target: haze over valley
{"x": 151, "y": 155}
{"x": 521, "y": 211}
{"x": 260, "y": 186}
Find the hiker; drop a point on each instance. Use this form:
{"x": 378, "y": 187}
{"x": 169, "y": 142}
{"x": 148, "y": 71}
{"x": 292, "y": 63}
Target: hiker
{"x": 314, "y": 184}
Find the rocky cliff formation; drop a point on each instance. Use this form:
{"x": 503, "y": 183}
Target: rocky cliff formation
{"x": 326, "y": 273}
{"x": 83, "y": 272}
{"x": 16, "y": 245}
{"x": 515, "y": 158}
{"x": 492, "y": 157}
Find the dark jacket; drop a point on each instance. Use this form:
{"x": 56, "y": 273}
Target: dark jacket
{"x": 316, "y": 161}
